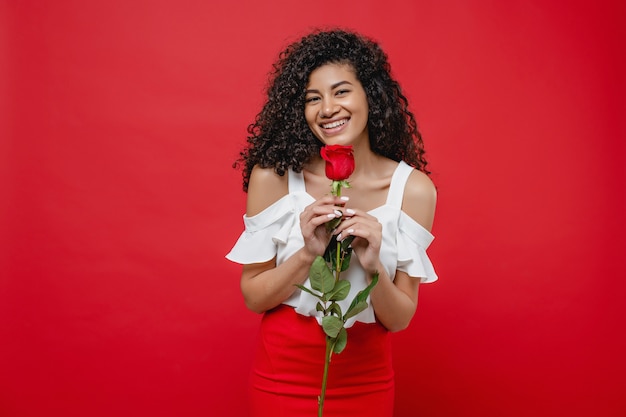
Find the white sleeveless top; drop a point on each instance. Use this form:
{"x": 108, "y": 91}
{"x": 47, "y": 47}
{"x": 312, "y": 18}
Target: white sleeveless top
{"x": 275, "y": 232}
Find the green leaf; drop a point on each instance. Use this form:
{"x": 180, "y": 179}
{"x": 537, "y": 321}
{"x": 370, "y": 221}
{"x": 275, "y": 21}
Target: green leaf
{"x": 330, "y": 253}
{"x": 335, "y": 309}
{"x": 305, "y": 289}
{"x": 346, "y": 243}
{"x": 320, "y": 307}
{"x": 359, "y": 303}
{"x": 332, "y": 224}
{"x": 332, "y": 325}
{"x": 345, "y": 263}
{"x": 355, "y": 309}
{"x": 320, "y": 276}
{"x": 341, "y": 341}
{"x": 340, "y": 290}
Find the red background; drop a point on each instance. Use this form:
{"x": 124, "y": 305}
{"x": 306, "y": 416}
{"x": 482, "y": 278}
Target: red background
{"x": 120, "y": 120}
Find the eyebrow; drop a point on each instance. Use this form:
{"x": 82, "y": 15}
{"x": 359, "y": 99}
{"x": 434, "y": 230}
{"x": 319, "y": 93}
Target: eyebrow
{"x": 332, "y": 87}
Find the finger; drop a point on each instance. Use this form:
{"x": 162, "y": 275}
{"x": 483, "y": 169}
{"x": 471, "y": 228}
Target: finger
{"x": 316, "y": 209}
{"x": 360, "y": 213}
{"x": 341, "y": 201}
{"x": 348, "y": 213}
{"x": 316, "y": 219}
{"x": 362, "y": 222}
{"x": 368, "y": 230}
{"x": 332, "y": 200}
{"x": 364, "y": 240}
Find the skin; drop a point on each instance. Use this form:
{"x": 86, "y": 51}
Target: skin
{"x": 336, "y": 111}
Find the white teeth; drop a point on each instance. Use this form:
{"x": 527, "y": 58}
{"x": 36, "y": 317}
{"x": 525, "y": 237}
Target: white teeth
{"x": 334, "y": 124}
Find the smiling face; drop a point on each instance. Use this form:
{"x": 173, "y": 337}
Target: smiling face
{"x": 336, "y": 108}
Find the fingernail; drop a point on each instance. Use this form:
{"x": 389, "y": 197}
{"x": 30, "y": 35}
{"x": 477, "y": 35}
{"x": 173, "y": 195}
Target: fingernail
{"x": 350, "y": 211}
{"x": 338, "y": 213}
{"x": 331, "y": 215}
{"x": 345, "y": 198}
{"x": 339, "y": 236}
{"x": 350, "y": 231}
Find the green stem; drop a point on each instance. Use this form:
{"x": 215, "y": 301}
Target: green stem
{"x": 329, "y": 352}
{"x": 338, "y": 255}
{"x": 338, "y": 262}
{"x": 330, "y": 342}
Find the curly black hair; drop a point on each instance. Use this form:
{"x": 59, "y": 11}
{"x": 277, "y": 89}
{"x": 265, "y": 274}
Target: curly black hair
{"x": 280, "y": 137}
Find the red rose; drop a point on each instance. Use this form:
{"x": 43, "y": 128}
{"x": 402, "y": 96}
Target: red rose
{"x": 339, "y": 161}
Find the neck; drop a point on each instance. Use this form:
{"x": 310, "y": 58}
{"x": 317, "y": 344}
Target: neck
{"x": 364, "y": 158}
{"x": 364, "y": 162}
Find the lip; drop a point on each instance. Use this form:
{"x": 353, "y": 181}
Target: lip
{"x": 335, "y": 129}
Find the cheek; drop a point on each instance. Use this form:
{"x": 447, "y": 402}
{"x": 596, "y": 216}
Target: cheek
{"x": 362, "y": 109}
{"x": 358, "y": 104}
{"x": 365, "y": 113}
{"x": 309, "y": 116}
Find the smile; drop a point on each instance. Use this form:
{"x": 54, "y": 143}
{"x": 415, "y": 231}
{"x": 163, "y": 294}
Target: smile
{"x": 334, "y": 124}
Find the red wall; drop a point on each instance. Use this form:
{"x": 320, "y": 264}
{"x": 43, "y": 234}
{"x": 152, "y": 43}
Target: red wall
{"x": 120, "y": 120}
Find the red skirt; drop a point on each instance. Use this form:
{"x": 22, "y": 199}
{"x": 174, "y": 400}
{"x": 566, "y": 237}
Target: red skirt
{"x": 286, "y": 378}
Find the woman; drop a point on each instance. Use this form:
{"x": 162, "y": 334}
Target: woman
{"x": 332, "y": 88}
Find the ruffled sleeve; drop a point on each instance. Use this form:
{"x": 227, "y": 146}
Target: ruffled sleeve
{"x": 263, "y": 232}
{"x": 413, "y": 240}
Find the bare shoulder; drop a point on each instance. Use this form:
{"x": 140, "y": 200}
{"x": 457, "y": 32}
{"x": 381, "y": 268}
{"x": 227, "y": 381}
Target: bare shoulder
{"x": 264, "y": 189}
{"x": 420, "y": 199}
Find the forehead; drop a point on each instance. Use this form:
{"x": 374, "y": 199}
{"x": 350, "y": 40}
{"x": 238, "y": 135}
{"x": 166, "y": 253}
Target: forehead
{"x": 332, "y": 73}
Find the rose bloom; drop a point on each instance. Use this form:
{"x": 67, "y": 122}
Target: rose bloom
{"x": 339, "y": 161}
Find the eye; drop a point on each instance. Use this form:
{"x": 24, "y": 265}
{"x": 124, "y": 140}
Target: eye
{"x": 311, "y": 99}
{"x": 342, "y": 92}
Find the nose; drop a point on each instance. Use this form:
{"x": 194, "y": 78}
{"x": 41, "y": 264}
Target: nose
{"x": 328, "y": 108}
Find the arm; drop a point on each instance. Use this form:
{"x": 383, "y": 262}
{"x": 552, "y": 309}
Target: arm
{"x": 394, "y": 301}
{"x": 266, "y": 285}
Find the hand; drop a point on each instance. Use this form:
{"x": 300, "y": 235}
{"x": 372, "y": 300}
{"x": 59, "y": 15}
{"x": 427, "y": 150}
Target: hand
{"x": 368, "y": 235}
{"x": 313, "y": 221}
